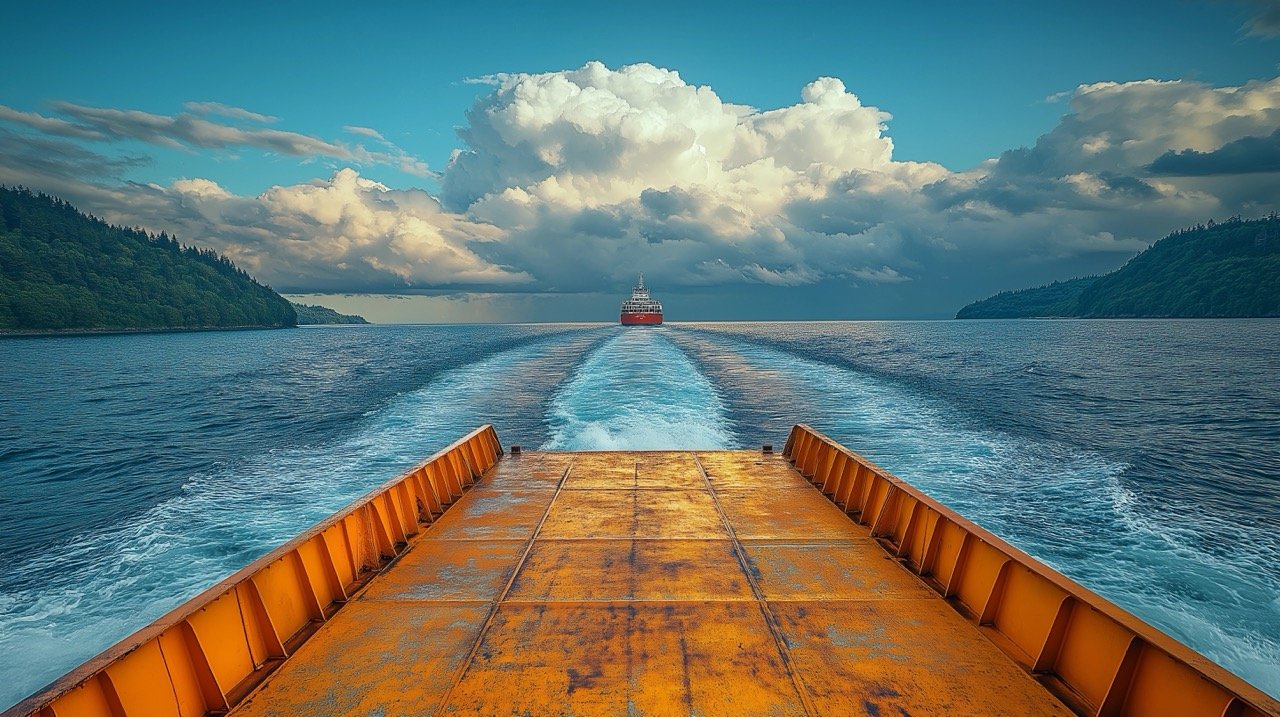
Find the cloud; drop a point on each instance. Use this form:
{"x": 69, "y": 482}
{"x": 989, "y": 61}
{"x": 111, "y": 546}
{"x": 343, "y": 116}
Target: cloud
{"x": 494, "y": 79}
{"x": 194, "y": 129}
{"x": 790, "y": 276}
{"x": 1247, "y": 155}
{"x": 189, "y": 129}
{"x": 596, "y": 135}
{"x": 343, "y": 233}
{"x": 883, "y": 275}
{"x": 1114, "y": 126}
{"x": 394, "y": 155}
{"x": 1098, "y": 159}
{"x": 52, "y": 164}
{"x": 1265, "y": 20}
{"x": 364, "y": 131}
{"x": 48, "y": 125}
{"x": 655, "y": 169}
{"x": 597, "y": 164}
{"x": 217, "y": 108}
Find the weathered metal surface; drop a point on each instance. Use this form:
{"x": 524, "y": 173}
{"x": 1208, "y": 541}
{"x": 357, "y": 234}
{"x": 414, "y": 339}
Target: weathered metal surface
{"x": 651, "y": 584}
{"x": 672, "y": 583}
{"x": 1098, "y": 658}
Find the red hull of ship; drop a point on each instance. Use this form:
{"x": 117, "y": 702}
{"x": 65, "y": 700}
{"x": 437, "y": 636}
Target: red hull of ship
{"x": 644, "y": 319}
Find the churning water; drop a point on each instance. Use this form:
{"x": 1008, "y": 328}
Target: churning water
{"x": 1138, "y": 457}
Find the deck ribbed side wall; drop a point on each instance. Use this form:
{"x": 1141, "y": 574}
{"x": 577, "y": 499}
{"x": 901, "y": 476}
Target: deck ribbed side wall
{"x": 1097, "y": 657}
{"x": 206, "y": 655}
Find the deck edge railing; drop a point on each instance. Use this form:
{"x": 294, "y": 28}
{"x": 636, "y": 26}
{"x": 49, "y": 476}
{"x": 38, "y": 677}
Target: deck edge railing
{"x": 1097, "y": 657}
{"x": 208, "y": 654}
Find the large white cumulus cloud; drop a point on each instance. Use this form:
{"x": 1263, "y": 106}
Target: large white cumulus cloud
{"x": 591, "y": 162}
{"x": 596, "y": 136}
{"x": 335, "y": 234}
{"x": 573, "y": 180}
{"x": 596, "y": 163}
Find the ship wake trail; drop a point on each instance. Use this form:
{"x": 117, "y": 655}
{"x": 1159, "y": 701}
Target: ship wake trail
{"x": 638, "y": 391}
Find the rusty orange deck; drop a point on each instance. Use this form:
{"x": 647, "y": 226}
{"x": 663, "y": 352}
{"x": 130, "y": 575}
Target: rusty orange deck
{"x": 648, "y": 583}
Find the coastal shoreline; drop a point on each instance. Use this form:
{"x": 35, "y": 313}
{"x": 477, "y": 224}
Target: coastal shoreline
{"x": 46, "y": 333}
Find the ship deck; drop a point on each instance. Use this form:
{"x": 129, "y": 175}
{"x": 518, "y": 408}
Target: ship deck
{"x": 647, "y": 583}
{"x": 708, "y": 583}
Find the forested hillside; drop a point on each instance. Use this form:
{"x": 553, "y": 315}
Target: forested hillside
{"x": 314, "y": 315}
{"x": 1230, "y": 269}
{"x": 1057, "y": 299}
{"x": 63, "y": 270}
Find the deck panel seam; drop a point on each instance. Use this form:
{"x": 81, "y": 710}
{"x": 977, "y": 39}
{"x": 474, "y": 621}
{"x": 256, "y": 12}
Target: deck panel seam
{"x": 771, "y": 621}
{"x": 497, "y": 603}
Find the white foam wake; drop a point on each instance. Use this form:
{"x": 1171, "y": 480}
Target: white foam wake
{"x": 638, "y": 391}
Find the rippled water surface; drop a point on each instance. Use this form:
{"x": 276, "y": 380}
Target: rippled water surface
{"x": 1138, "y": 457}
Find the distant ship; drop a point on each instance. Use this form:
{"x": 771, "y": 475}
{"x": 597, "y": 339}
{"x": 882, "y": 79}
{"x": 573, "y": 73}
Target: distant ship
{"x": 641, "y": 309}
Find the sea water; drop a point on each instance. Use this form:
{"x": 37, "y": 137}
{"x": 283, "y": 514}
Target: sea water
{"x": 1140, "y": 458}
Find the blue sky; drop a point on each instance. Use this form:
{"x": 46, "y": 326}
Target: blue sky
{"x": 962, "y": 85}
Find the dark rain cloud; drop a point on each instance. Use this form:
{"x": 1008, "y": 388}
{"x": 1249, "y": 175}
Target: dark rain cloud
{"x": 599, "y": 223}
{"x": 663, "y": 204}
{"x": 1247, "y": 155}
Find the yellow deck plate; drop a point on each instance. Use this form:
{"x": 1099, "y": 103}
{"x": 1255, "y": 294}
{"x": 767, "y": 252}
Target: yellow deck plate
{"x": 673, "y": 583}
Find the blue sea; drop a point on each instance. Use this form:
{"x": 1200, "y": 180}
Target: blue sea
{"x": 1141, "y": 458}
